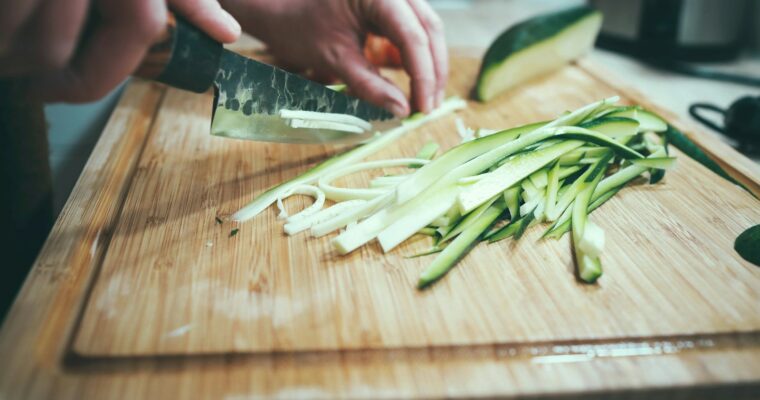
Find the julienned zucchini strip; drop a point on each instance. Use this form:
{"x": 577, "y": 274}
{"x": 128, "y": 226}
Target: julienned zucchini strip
{"x": 489, "y": 188}
{"x": 349, "y": 157}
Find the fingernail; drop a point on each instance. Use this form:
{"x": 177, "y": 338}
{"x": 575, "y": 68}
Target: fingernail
{"x": 397, "y": 109}
{"x": 429, "y": 104}
{"x": 439, "y": 98}
{"x": 231, "y": 23}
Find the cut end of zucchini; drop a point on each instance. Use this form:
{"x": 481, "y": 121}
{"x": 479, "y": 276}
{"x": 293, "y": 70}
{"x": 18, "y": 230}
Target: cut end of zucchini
{"x": 589, "y": 269}
{"x": 535, "y": 47}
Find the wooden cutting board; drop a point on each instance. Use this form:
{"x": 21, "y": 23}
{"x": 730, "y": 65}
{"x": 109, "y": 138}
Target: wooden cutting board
{"x": 159, "y": 286}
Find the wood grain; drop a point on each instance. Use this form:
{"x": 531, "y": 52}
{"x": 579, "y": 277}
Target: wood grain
{"x": 179, "y": 309}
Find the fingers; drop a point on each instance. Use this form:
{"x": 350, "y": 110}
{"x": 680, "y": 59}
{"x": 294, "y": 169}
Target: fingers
{"x": 210, "y": 17}
{"x": 47, "y": 40}
{"x": 433, "y": 25}
{"x": 399, "y": 22}
{"x": 364, "y": 80}
{"x": 12, "y": 19}
{"x": 113, "y": 50}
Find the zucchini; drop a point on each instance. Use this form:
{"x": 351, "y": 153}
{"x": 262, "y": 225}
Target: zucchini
{"x": 490, "y": 188}
{"x": 460, "y": 246}
{"x": 747, "y": 244}
{"x": 683, "y": 143}
{"x": 648, "y": 121}
{"x": 614, "y": 127}
{"x": 536, "y": 47}
{"x": 515, "y": 228}
{"x": 589, "y": 265}
{"x": 562, "y": 226}
{"x": 510, "y": 173}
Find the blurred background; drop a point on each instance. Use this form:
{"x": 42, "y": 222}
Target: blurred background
{"x": 644, "y": 42}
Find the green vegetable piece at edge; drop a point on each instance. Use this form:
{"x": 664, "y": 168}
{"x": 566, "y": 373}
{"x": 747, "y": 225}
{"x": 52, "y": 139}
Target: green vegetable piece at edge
{"x": 536, "y": 47}
{"x": 747, "y": 244}
{"x": 683, "y": 143}
{"x": 460, "y": 246}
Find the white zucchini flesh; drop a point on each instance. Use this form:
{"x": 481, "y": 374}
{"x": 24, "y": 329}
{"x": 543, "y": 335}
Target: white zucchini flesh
{"x": 467, "y": 221}
{"x": 459, "y": 247}
{"x": 408, "y": 224}
{"x": 342, "y": 194}
{"x": 408, "y": 218}
{"x": 589, "y": 266}
{"x": 333, "y": 126}
{"x": 592, "y": 242}
{"x": 352, "y": 215}
{"x": 308, "y": 190}
{"x": 468, "y": 180}
{"x": 465, "y": 133}
{"x": 265, "y": 199}
{"x": 291, "y": 228}
{"x": 344, "y": 119}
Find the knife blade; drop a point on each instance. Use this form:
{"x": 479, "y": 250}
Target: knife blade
{"x": 249, "y": 94}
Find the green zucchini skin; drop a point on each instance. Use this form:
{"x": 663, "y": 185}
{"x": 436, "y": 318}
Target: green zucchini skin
{"x": 527, "y": 34}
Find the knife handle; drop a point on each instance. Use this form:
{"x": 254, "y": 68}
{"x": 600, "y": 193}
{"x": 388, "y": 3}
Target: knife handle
{"x": 183, "y": 57}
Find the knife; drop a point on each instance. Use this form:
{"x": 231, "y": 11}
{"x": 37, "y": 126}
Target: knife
{"x": 248, "y": 94}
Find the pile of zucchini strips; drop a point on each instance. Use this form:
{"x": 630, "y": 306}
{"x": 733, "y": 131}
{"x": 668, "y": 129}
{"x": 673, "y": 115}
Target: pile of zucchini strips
{"x": 493, "y": 186}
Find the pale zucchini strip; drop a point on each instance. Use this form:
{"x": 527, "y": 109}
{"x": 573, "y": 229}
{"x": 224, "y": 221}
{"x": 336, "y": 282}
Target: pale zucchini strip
{"x": 589, "y": 265}
{"x": 309, "y": 190}
{"x": 333, "y": 126}
{"x": 344, "y": 119}
{"x": 342, "y": 194}
{"x": 351, "y": 216}
{"x": 291, "y": 228}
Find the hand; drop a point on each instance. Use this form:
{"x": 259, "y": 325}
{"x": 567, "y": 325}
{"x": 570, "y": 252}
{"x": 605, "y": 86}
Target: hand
{"x": 39, "y": 39}
{"x": 328, "y": 36}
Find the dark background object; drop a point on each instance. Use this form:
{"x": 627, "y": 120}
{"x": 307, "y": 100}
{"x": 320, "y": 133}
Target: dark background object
{"x": 685, "y": 30}
{"x": 741, "y": 121}
{"x": 26, "y": 207}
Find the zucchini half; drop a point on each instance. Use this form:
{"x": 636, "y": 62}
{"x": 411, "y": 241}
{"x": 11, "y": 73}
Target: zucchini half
{"x": 536, "y": 47}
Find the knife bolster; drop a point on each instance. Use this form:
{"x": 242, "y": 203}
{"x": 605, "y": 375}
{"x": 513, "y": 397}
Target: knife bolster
{"x": 184, "y": 57}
